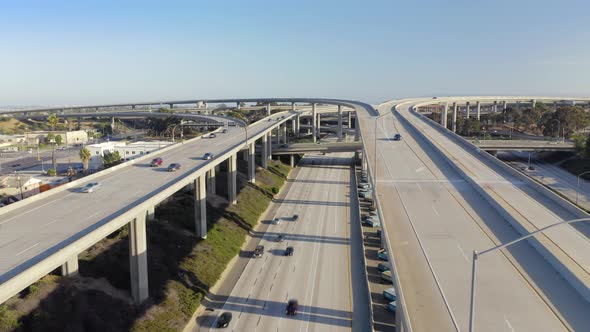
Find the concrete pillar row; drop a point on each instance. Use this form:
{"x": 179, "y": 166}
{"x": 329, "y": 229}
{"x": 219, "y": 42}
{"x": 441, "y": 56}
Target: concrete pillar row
{"x": 278, "y": 135}
{"x": 151, "y": 213}
{"x": 269, "y": 145}
{"x": 478, "y": 110}
{"x": 200, "y": 205}
{"x": 70, "y": 267}
{"x": 231, "y": 179}
{"x": 138, "y": 267}
{"x": 454, "y": 124}
{"x": 319, "y": 124}
{"x": 349, "y": 119}
{"x": 264, "y": 152}
{"x": 444, "y": 115}
{"x": 339, "y": 122}
{"x": 251, "y": 162}
{"x": 284, "y": 133}
{"x": 314, "y": 121}
{"x": 268, "y": 109}
{"x": 504, "y": 105}
{"x": 211, "y": 183}
{"x": 467, "y": 110}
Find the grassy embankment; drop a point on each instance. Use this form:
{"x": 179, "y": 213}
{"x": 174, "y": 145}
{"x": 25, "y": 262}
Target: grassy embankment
{"x": 181, "y": 269}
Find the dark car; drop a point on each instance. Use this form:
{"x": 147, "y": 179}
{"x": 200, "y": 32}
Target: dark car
{"x": 224, "y": 319}
{"x": 289, "y": 251}
{"x": 224, "y": 131}
{"x": 208, "y": 156}
{"x": 279, "y": 238}
{"x": 295, "y": 217}
{"x": 156, "y": 162}
{"x": 292, "y": 307}
{"x": 397, "y": 137}
{"x": 173, "y": 167}
{"x": 258, "y": 252}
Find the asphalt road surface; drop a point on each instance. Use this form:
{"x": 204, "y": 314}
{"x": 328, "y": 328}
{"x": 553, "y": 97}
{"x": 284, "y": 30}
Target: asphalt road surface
{"x": 318, "y": 275}
{"x": 435, "y": 219}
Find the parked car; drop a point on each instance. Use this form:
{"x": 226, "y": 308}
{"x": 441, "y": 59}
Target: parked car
{"x": 292, "y": 307}
{"x": 173, "y": 167}
{"x": 379, "y": 232}
{"x": 391, "y": 306}
{"x": 397, "y": 137}
{"x": 373, "y": 223}
{"x": 91, "y": 187}
{"x": 231, "y": 124}
{"x": 212, "y": 135}
{"x": 156, "y": 162}
{"x": 258, "y": 252}
{"x": 382, "y": 255}
{"x": 390, "y": 294}
{"x": 276, "y": 221}
{"x": 208, "y": 156}
{"x": 224, "y": 320}
{"x": 289, "y": 251}
{"x": 364, "y": 186}
{"x": 382, "y": 267}
{"x": 386, "y": 276}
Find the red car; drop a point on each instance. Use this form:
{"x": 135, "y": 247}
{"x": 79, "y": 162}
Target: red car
{"x": 156, "y": 162}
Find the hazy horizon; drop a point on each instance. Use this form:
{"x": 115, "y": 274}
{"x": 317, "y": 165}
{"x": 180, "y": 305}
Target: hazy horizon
{"x": 74, "y": 53}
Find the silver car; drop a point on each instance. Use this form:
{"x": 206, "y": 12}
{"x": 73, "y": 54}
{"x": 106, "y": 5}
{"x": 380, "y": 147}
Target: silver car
{"x": 91, "y": 187}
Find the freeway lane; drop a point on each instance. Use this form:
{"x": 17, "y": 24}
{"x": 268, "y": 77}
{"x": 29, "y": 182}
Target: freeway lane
{"x": 434, "y": 220}
{"x": 32, "y": 232}
{"x": 318, "y": 274}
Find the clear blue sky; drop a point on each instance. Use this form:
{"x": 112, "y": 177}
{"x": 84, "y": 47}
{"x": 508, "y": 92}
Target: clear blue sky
{"x": 84, "y": 52}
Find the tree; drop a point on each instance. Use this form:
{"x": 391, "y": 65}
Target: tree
{"x": 587, "y": 147}
{"x": 50, "y": 138}
{"x": 52, "y": 121}
{"x": 58, "y": 139}
{"x": 85, "y": 157}
{"x": 111, "y": 159}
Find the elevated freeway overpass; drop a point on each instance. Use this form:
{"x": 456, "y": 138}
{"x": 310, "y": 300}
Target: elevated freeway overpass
{"x": 435, "y": 203}
{"x": 523, "y": 145}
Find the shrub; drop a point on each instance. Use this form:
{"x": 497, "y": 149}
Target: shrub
{"x": 51, "y": 172}
{"x": 274, "y": 190}
{"x": 8, "y": 320}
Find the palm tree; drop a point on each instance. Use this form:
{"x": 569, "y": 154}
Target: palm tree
{"x": 85, "y": 157}
{"x": 52, "y": 121}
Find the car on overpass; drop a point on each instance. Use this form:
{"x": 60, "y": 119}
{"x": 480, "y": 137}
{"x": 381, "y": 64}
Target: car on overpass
{"x": 224, "y": 320}
{"x": 289, "y": 251}
{"x": 173, "y": 167}
{"x": 397, "y": 137}
{"x": 292, "y": 307}
{"x": 157, "y": 162}
{"x": 91, "y": 187}
{"x": 258, "y": 252}
{"x": 208, "y": 156}
{"x": 390, "y": 294}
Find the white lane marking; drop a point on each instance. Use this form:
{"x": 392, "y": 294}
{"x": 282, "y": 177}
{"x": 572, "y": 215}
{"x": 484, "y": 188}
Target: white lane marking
{"x": 51, "y": 222}
{"x": 508, "y": 323}
{"x": 420, "y": 169}
{"x": 462, "y": 252}
{"x": 92, "y": 215}
{"x": 420, "y": 181}
{"x": 435, "y": 211}
{"x": 31, "y": 247}
{"x": 419, "y": 187}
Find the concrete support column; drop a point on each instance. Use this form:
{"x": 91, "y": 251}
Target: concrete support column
{"x": 268, "y": 109}
{"x": 70, "y": 267}
{"x": 504, "y": 105}
{"x": 231, "y": 179}
{"x": 238, "y": 105}
{"x": 357, "y": 133}
{"x": 314, "y": 121}
{"x": 478, "y": 109}
{"x": 533, "y": 103}
{"x": 200, "y": 207}
{"x": 339, "y": 122}
{"x": 444, "y": 115}
{"x": 151, "y": 214}
{"x": 364, "y": 162}
{"x": 467, "y": 110}
{"x": 269, "y": 145}
{"x": 292, "y": 160}
{"x": 319, "y": 123}
{"x": 349, "y": 119}
{"x": 211, "y": 180}
{"x": 79, "y": 123}
{"x": 297, "y": 125}
{"x": 292, "y": 106}
{"x": 264, "y": 152}
{"x": 251, "y": 162}
{"x": 138, "y": 267}
{"x": 278, "y": 135}
{"x": 454, "y": 124}
{"x": 495, "y": 107}
{"x": 284, "y": 133}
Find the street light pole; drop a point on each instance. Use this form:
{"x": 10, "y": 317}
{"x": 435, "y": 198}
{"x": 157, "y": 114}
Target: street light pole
{"x": 477, "y": 254}
{"x": 578, "y": 185}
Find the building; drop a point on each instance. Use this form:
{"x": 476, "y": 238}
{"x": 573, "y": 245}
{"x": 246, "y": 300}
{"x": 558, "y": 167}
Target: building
{"x": 12, "y": 139}
{"x": 18, "y": 184}
{"x": 126, "y": 151}
{"x": 76, "y": 137}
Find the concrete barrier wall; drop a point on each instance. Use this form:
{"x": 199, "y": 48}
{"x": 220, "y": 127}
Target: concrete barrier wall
{"x": 403, "y": 321}
{"x": 551, "y": 257}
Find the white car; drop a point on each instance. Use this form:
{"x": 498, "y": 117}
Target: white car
{"x": 276, "y": 221}
{"x": 91, "y": 187}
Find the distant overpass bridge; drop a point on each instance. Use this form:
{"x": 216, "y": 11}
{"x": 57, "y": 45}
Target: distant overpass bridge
{"x": 314, "y": 147}
{"x": 523, "y": 145}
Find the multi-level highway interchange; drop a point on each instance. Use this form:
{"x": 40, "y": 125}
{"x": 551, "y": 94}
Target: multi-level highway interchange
{"x": 438, "y": 196}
